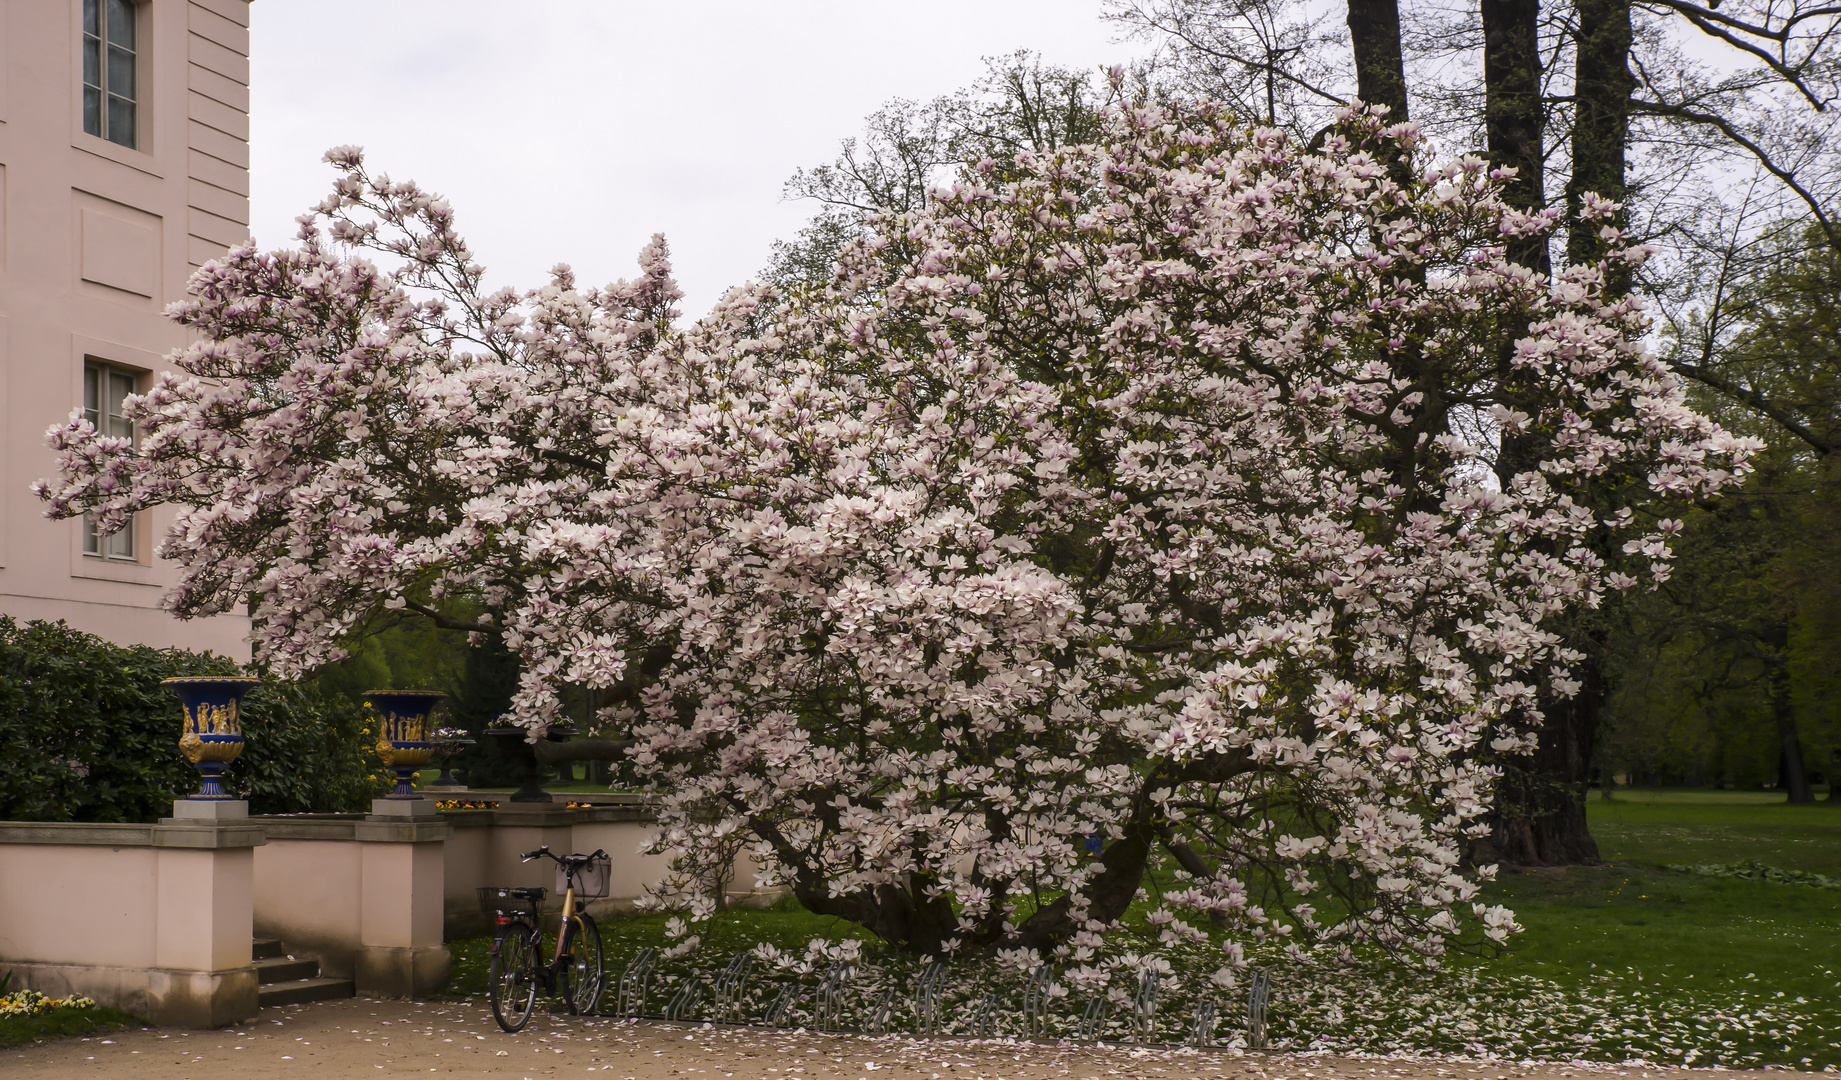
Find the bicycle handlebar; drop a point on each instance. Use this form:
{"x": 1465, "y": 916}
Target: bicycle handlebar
{"x": 544, "y": 852}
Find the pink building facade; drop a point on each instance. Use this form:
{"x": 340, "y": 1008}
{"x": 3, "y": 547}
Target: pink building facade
{"x": 124, "y": 165}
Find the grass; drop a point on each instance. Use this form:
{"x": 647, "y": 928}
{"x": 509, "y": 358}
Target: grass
{"x": 62, "y": 1023}
{"x": 1635, "y": 921}
{"x": 1630, "y": 959}
{"x": 1673, "y": 826}
{"x": 785, "y": 926}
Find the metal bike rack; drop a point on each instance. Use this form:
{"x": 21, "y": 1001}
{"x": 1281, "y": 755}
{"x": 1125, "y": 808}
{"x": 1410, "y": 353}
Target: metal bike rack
{"x": 830, "y": 1011}
{"x": 1144, "y": 1005}
{"x": 927, "y": 999}
{"x": 635, "y": 982}
{"x": 882, "y": 1012}
{"x": 1202, "y": 1030}
{"x": 1093, "y": 1018}
{"x": 1259, "y": 988}
{"x": 683, "y": 1004}
{"x": 731, "y": 983}
{"x": 984, "y": 1015}
{"x": 775, "y": 1016}
{"x": 1037, "y": 999}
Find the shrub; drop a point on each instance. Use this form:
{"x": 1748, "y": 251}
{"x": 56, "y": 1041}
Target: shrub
{"x": 88, "y": 733}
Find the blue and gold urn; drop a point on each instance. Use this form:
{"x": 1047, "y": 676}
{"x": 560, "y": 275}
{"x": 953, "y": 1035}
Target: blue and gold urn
{"x": 213, "y": 735}
{"x": 404, "y": 743}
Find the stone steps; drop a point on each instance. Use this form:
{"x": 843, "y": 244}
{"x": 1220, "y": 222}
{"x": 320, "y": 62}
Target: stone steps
{"x": 283, "y": 980}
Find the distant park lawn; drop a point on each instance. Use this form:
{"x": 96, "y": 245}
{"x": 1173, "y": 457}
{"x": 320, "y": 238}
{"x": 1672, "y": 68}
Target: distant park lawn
{"x": 1635, "y": 920}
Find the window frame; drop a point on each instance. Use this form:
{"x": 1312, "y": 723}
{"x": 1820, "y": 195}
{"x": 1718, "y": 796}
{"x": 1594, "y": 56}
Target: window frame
{"x": 124, "y": 544}
{"x": 105, "y": 88}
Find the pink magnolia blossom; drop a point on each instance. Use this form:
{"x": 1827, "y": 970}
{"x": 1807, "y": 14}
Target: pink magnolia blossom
{"x": 1148, "y": 499}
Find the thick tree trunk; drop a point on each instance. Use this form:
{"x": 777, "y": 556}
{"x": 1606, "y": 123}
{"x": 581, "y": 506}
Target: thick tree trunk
{"x": 1380, "y": 66}
{"x": 1514, "y": 118}
{"x": 1601, "y": 124}
{"x": 1540, "y": 816}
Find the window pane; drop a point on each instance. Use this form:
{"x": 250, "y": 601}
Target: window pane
{"x": 92, "y": 62}
{"x": 121, "y": 121}
{"x": 92, "y": 17}
{"x": 92, "y": 543}
{"x": 121, "y": 73}
{"x": 92, "y": 395}
{"x": 121, "y": 542}
{"x": 120, "y": 386}
{"x": 121, "y": 22}
{"x": 92, "y": 110}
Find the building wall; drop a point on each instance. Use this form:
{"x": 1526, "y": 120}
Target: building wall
{"x": 95, "y": 240}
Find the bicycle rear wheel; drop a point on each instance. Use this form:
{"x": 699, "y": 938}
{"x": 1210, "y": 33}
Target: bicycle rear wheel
{"x": 511, "y": 978}
{"x": 583, "y": 973}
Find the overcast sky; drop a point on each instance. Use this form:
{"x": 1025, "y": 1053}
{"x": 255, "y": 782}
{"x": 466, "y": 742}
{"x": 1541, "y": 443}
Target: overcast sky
{"x": 571, "y": 131}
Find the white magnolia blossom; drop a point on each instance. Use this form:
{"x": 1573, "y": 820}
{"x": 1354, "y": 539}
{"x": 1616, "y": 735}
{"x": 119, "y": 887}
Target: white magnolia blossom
{"x": 1118, "y": 507}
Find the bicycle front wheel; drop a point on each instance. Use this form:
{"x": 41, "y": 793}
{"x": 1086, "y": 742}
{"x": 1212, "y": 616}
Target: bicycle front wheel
{"x": 582, "y": 967}
{"x": 511, "y": 978}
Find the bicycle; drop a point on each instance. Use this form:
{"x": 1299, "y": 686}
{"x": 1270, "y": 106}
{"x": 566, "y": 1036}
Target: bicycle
{"x": 574, "y": 972}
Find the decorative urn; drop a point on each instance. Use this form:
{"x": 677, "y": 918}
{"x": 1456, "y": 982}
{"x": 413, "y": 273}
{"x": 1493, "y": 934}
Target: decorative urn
{"x": 213, "y": 735}
{"x": 404, "y": 743}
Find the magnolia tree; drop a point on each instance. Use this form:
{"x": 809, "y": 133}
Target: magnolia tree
{"x": 1137, "y": 510}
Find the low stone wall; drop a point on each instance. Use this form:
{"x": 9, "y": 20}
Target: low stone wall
{"x": 362, "y": 895}
{"x": 485, "y": 846}
{"x": 152, "y": 919}
{"x": 158, "y": 919}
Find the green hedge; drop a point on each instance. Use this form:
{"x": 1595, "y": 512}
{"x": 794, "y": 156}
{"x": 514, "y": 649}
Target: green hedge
{"x": 88, "y": 734}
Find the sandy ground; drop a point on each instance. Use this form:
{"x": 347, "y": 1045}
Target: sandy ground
{"x": 358, "y": 1038}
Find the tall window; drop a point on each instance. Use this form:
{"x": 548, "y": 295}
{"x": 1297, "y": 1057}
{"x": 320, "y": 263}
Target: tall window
{"x": 108, "y": 70}
{"x": 104, "y": 390}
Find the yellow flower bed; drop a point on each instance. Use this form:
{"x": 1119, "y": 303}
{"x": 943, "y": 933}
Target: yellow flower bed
{"x": 26, "y": 1003}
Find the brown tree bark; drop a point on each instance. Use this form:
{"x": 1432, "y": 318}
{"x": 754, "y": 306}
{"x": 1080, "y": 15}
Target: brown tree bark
{"x": 1380, "y": 65}
{"x": 1792, "y": 777}
{"x": 1540, "y": 806}
{"x": 1514, "y": 116}
{"x": 1602, "y": 85}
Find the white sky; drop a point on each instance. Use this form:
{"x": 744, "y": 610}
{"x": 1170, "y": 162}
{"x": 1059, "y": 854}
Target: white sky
{"x": 571, "y": 131}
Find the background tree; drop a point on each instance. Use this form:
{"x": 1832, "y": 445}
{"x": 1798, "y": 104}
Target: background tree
{"x": 1742, "y": 641}
{"x": 1582, "y": 93}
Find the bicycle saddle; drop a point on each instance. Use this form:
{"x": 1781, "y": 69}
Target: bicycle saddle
{"x": 534, "y": 893}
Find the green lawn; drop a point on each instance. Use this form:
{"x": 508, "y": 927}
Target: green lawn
{"x": 1673, "y": 826}
{"x": 1627, "y": 960}
{"x": 1635, "y": 922}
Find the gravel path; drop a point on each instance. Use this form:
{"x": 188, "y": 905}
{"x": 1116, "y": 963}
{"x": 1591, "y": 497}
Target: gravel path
{"x": 346, "y": 1040}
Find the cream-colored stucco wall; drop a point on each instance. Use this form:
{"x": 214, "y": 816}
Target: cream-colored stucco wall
{"x": 95, "y": 240}
{"x": 153, "y": 919}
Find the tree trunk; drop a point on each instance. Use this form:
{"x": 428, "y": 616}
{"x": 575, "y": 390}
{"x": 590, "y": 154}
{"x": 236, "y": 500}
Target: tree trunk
{"x": 1539, "y": 817}
{"x": 1601, "y": 125}
{"x": 1380, "y": 66}
{"x": 1792, "y": 776}
{"x": 1514, "y": 118}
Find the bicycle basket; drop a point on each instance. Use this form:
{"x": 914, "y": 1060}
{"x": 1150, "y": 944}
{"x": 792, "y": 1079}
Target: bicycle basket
{"x": 497, "y": 899}
{"x": 591, "y": 879}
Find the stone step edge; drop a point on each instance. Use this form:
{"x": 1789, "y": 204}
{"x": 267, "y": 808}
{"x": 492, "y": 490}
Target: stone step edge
{"x": 301, "y": 991}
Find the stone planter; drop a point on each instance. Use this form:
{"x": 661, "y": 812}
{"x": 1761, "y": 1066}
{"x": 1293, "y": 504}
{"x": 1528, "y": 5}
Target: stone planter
{"x": 404, "y": 744}
{"x": 445, "y": 749}
{"x": 213, "y": 735}
{"x": 515, "y": 746}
